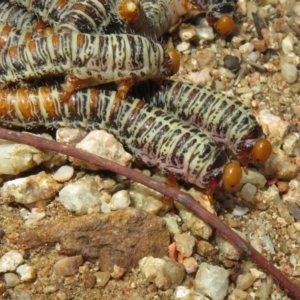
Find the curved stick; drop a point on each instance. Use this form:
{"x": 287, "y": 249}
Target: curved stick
{"x": 182, "y": 197}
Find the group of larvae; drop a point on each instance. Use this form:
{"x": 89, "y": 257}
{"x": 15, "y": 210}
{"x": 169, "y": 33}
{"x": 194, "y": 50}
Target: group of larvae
{"x": 88, "y": 63}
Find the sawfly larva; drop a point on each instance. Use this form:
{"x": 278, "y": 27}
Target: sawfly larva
{"x": 92, "y": 16}
{"x": 10, "y": 35}
{"x": 88, "y": 60}
{"x": 17, "y": 16}
{"x": 226, "y": 120}
{"x": 154, "y": 17}
{"x": 155, "y": 137}
{"x": 50, "y": 11}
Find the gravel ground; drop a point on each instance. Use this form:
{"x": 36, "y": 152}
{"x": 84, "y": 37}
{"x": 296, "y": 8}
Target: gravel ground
{"x": 262, "y": 72}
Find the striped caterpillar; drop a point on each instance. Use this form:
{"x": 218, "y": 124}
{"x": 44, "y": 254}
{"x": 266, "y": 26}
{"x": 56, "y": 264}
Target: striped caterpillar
{"x": 17, "y": 16}
{"x": 227, "y": 121}
{"x": 88, "y": 60}
{"x": 154, "y": 17}
{"x": 148, "y": 17}
{"x": 50, "y": 11}
{"x": 94, "y": 16}
{"x": 152, "y": 135}
{"x": 10, "y": 35}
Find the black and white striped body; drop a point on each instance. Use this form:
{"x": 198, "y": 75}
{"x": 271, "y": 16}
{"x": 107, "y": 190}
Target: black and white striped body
{"x": 155, "y": 137}
{"x": 103, "y": 58}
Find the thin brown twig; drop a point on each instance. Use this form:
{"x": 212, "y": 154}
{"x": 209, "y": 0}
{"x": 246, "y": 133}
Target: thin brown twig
{"x": 182, "y": 197}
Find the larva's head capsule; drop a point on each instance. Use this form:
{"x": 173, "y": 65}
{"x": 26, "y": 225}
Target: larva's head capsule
{"x": 261, "y": 151}
{"x": 252, "y": 147}
{"x": 225, "y": 25}
{"x": 171, "y": 62}
{"x": 232, "y": 175}
{"x": 129, "y": 11}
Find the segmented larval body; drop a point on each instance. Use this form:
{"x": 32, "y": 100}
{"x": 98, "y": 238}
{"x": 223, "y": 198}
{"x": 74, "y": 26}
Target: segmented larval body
{"x": 92, "y": 16}
{"x": 10, "y": 35}
{"x": 226, "y": 120}
{"x": 154, "y": 17}
{"x": 101, "y": 58}
{"x": 50, "y": 11}
{"x": 149, "y": 133}
{"x": 16, "y": 16}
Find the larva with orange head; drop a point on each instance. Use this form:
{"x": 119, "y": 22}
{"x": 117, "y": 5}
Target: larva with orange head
{"x": 226, "y": 120}
{"x": 219, "y": 14}
{"x": 153, "y": 18}
{"x": 87, "y": 60}
{"x": 153, "y": 136}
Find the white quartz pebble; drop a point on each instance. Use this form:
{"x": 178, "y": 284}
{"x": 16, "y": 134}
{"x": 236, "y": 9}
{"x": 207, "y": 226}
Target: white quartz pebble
{"x": 119, "y": 200}
{"x": 26, "y": 273}
{"x": 289, "y": 72}
{"x": 212, "y": 281}
{"x": 63, "y": 174}
{"x": 162, "y": 271}
{"x": 10, "y": 261}
{"x": 185, "y": 244}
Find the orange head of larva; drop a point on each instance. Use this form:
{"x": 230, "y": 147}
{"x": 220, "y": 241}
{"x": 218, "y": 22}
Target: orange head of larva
{"x": 172, "y": 62}
{"x": 225, "y": 25}
{"x": 261, "y": 151}
{"x": 232, "y": 175}
{"x": 129, "y": 11}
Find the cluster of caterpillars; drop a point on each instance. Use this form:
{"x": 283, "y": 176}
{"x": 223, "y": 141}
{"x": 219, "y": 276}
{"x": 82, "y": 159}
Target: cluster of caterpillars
{"x": 183, "y": 129}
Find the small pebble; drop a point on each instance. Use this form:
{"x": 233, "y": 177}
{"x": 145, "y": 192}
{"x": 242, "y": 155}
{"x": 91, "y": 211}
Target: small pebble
{"x": 248, "y": 192}
{"x": 119, "y": 200}
{"x": 11, "y": 280}
{"x": 205, "y": 249}
{"x": 172, "y": 224}
{"x": 205, "y": 33}
{"x": 229, "y": 250}
{"x": 289, "y": 73}
{"x": 26, "y": 273}
{"x": 162, "y": 271}
{"x": 68, "y": 266}
{"x": 63, "y": 174}
{"x": 183, "y": 47}
{"x": 185, "y": 244}
{"x": 240, "y": 211}
{"x": 118, "y": 272}
{"x": 81, "y": 195}
{"x": 102, "y": 278}
{"x": 188, "y": 34}
{"x": 231, "y": 62}
{"x": 49, "y": 289}
{"x": 212, "y": 281}
{"x": 24, "y": 296}
{"x": 10, "y": 261}
{"x": 244, "y": 281}
{"x": 190, "y": 265}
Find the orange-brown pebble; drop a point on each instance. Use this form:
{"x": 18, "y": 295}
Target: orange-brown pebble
{"x": 261, "y": 151}
{"x": 283, "y": 187}
{"x": 232, "y": 176}
{"x": 225, "y": 25}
